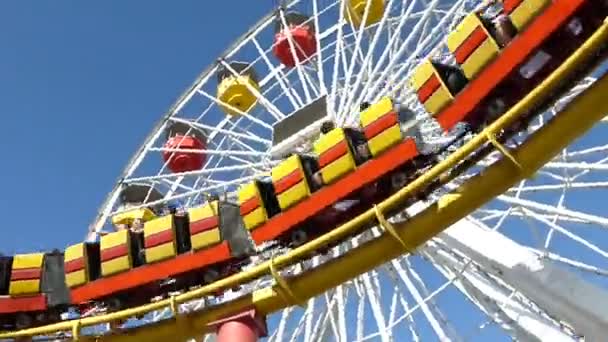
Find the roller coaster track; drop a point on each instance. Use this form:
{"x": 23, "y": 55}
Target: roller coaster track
{"x": 521, "y": 162}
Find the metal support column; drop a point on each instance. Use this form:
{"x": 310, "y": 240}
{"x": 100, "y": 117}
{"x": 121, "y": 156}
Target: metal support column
{"x": 559, "y": 292}
{"x": 247, "y": 326}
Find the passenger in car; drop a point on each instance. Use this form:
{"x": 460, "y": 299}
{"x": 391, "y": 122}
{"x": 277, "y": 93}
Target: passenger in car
{"x": 327, "y": 127}
{"x": 357, "y": 139}
{"x": 503, "y": 31}
{"x": 361, "y": 154}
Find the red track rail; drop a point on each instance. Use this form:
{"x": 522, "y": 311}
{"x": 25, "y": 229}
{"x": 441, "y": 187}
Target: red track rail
{"x": 10, "y": 305}
{"x": 151, "y": 272}
{"x": 367, "y": 173}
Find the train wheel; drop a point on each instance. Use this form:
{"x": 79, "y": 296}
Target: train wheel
{"x": 298, "y": 237}
{"x": 117, "y": 324}
{"x": 23, "y": 320}
{"x": 41, "y": 317}
{"x": 210, "y": 275}
{"x": 495, "y": 109}
{"x": 398, "y": 180}
{"x": 114, "y": 304}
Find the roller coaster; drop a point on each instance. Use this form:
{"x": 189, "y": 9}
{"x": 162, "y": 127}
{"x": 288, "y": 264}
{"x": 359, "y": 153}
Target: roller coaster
{"x": 335, "y": 170}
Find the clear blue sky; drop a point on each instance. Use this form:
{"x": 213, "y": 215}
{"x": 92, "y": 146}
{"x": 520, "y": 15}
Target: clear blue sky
{"x": 81, "y": 85}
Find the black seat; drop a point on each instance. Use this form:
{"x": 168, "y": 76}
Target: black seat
{"x": 6, "y": 266}
{"x": 268, "y": 197}
{"x": 94, "y": 257}
{"x": 137, "y": 248}
{"x": 355, "y": 139}
{"x": 310, "y": 164}
{"x": 454, "y": 77}
{"x": 53, "y": 280}
{"x": 182, "y": 232}
{"x": 233, "y": 229}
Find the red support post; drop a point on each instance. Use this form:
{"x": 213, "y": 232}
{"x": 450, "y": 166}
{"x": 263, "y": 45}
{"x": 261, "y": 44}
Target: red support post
{"x": 247, "y": 326}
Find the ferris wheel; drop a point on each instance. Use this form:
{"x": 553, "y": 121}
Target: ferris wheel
{"x": 529, "y": 265}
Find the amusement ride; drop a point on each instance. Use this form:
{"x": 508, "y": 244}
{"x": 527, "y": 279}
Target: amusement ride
{"x": 354, "y": 170}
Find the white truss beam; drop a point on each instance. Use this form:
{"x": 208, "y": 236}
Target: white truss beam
{"x": 561, "y": 294}
{"x": 496, "y": 301}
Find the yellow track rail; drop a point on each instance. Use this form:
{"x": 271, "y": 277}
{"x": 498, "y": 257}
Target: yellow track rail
{"x": 588, "y": 108}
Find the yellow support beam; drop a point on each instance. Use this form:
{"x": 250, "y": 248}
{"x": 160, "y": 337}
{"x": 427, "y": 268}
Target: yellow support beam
{"x": 537, "y": 96}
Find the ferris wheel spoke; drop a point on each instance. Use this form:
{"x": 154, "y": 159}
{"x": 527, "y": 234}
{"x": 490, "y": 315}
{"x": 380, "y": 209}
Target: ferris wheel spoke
{"x": 428, "y": 307}
{"x": 311, "y": 76}
{"x": 254, "y": 32}
{"x": 380, "y": 64}
{"x": 291, "y": 89}
{"x": 573, "y": 186}
{"x": 216, "y": 160}
{"x": 372, "y": 293}
{"x": 586, "y": 172}
{"x": 294, "y": 55}
{"x": 411, "y": 323}
{"x": 398, "y": 74}
{"x": 276, "y": 73}
{"x": 191, "y": 173}
{"x": 191, "y": 193}
{"x": 302, "y": 325}
{"x": 566, "y": 232}
{"x": 415, "y": 308}
{"x": 310, "y": 310}
{"x": 346, "y": 102}
{"x": 338, "y": 324}
{"x": 174, "y": 186}
{"x": 540, "y": 207}
{"x": 331, "y": 103}
{"x": 358, "y": 34}
{"x": 387, "y": 69}
{"x": 581, "y": 266}
{"x": 587, "y": 151}
{"x": 319, "y": 56}
{"x": 492, "y": 215}
{"x": 241, "y": 144}
{"x": 321, "y": 329}
{"x": 437, "y": 14}
{"x": 210, "y": 152}
{"x": 393, "y": 307}
{"x": 281, "y": 328}
{"x": 223, "y": 131}
{"x": 433, "y": 308}
{"x": 234, "y": 143}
